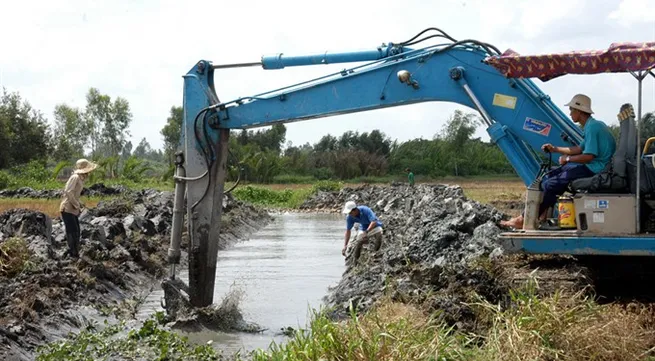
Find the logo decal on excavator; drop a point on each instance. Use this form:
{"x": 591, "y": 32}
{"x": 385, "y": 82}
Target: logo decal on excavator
{"x": 537, "y": 126}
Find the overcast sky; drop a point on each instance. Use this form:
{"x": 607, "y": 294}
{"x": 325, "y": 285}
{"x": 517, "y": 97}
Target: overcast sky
{"x": 53, "y": 51}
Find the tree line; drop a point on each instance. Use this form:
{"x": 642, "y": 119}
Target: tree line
{"x": 264, "y": 156}
{"x": 100, "y": 131}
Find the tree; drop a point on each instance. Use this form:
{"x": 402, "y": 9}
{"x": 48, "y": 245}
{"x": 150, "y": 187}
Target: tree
{"x": 25, "y": 135}
{"x": 327, "y": 143}
{"x": 459, "y": 128}
{"x": 97, "y": 108}
{"x": 108, "y": 122}
{"x": 116, "y": 125}
{"x": 172, "y": 133}
{"x": 69, "y": 133}
{"x": 647, "y": 128}
{"x": 127, "y": 151}
{"x": 270, "y": 139}
{"x": 456, "y": 133}
{"x": 142, "y": 150}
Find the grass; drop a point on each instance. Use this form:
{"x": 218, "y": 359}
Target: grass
{"x": 284, "y": 197}
{"x": 46, "y": 206}
{"x": 14, "y": 257}
{"x": 149, "y": 342}
{"x": 486, "y": 191}
{"x": 560, "y": 327}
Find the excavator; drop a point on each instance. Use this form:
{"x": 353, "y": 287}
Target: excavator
{"x": 613, "y": 210}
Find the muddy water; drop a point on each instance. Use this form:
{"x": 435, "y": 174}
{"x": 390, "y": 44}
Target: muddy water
{"x": 283, "y": 271}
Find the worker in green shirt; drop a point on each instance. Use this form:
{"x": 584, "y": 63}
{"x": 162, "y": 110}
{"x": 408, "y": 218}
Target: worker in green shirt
{"x": 410, "y": 177}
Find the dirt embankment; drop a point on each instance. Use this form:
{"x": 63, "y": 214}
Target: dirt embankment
{"x": 439, "y": 248}
{"x": 44, "y": 295}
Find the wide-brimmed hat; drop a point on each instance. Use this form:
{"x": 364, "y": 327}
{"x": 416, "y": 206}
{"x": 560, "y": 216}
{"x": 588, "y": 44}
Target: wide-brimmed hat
{"x": 350, "y": 205}
{"x": 83, "y": 166}
{"x": 580, "y": 102}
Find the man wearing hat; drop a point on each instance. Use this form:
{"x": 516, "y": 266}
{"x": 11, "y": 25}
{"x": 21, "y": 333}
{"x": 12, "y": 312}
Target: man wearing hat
{"x": 585, "y": 160}
{"x": 71, "y": 207}
{"x": 370, "y": 225}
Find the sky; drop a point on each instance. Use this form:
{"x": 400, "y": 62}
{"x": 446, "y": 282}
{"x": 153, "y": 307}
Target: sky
{"x": 139, "y": 50}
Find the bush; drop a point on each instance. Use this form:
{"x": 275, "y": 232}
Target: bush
{"x": 33, "y": 171}
{"x": 326, "y": 186}
{"x": 263, "y": 196}
{"x": 5, "y": 180}
{"x": 293, "y": 179}
{"x": 323, "y": 173}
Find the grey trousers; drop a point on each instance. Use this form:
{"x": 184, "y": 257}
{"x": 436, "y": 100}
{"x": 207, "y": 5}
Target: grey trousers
{"x": 375, "y": 234}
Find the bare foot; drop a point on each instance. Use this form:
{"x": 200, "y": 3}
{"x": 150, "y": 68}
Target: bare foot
{"x": 516, "y": 222}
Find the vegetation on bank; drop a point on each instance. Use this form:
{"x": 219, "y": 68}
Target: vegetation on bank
{"x": 285, "y": 198}
{"x": 562, "y": 326}
{"x": 148, "y": 342}
{"x": 557, "y": 327}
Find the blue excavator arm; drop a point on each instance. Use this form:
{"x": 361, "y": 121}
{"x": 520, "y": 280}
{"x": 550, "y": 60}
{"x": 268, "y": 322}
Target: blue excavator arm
{"x": 518, "y": 116}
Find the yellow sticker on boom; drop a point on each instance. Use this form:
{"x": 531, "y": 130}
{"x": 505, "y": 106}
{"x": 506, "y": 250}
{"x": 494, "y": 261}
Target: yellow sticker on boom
{"x": 505, "y": 101}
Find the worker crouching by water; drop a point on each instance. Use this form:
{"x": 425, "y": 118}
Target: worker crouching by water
{"x": 71, "y": 207}
{"x": 370, "y": 225}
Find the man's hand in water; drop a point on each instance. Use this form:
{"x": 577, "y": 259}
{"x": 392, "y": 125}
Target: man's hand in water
{"x": 343, "y": 251}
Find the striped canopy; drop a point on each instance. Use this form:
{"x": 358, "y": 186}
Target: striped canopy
{"x": 618, "y": 58}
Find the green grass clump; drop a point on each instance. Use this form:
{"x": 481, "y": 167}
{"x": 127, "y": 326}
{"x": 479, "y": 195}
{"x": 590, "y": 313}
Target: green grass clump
{"x": 284, "y": 198}
{"x": 149, "y": 342}
{"x": 392, "y": 331}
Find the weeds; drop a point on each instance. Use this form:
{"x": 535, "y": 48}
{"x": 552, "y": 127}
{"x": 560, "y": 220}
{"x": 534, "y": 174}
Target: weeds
{"x": 14, "y": 257}
{"x": 562, "y": 326}
{"x": 149, "y": 342}
{"x": 391, "y": 331}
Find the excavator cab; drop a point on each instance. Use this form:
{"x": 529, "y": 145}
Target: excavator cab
{"x": 612, "y": 212}
{"x": 585, "y": 207}
{"x": 599, "y": 214}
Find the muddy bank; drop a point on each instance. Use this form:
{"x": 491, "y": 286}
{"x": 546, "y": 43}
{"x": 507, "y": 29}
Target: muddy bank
{"x": 95, "y": 190}
{"x": 439, "y": 248}
{"x": 44, "y": 295}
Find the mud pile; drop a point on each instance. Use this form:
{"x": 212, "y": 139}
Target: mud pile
{"x": 122, "y": 254}
{"x": 438, "y": 246}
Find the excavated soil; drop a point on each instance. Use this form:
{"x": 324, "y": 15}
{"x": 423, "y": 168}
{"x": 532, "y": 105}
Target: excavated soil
{"x": 439, "y": 251}
{"x": 44, "y": 295}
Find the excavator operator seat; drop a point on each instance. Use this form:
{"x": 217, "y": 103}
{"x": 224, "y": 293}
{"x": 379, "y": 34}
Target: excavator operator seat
{"x": 617, "y": 175}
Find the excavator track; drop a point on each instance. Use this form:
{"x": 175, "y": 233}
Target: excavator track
{"x": 622, "y": 279}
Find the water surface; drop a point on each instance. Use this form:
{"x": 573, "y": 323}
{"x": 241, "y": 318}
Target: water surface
{"x": 283, "y": 271}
